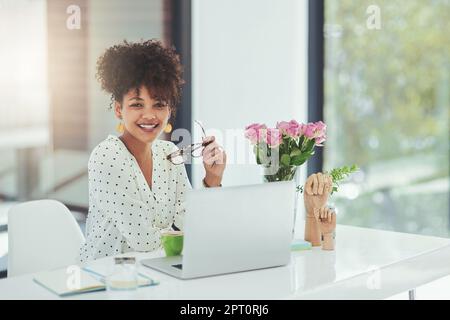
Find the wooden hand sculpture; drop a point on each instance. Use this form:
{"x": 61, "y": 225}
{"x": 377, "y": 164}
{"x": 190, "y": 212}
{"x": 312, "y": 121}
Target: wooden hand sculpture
{"x": 326, "y": 219}
{"x": 317, "y": 189}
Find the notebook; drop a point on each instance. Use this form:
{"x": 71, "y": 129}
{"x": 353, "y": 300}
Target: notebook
{"x": 62, "y": 281}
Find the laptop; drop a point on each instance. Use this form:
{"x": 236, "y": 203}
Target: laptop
{"x": 233, "y": 229}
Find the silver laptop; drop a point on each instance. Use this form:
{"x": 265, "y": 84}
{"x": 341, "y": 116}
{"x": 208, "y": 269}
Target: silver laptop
{"x": 233, "y": 229}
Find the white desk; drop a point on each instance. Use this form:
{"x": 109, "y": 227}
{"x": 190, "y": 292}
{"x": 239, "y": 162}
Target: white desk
{"x": 367, "y": 264}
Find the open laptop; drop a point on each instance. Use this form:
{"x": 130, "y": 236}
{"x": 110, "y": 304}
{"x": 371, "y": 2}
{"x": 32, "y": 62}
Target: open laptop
{"x": 233, "y": 229}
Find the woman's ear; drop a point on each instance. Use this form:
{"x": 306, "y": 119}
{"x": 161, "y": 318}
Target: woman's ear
{"x": 118, "y": 109}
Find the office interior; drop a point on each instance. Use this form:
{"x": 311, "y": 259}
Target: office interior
{"x": 376, "y": 72}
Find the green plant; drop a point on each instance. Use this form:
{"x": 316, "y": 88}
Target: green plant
{"x": 337, "y": 174}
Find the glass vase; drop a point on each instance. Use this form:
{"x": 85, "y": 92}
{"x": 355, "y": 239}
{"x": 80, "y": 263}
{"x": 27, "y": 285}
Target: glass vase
{"x": 286, "y": 173}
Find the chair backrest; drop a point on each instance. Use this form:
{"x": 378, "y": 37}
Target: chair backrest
{"x": 42, "y": 235}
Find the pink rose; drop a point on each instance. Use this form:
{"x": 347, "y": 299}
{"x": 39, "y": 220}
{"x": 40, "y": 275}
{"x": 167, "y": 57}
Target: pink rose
{"x": 321, "y": 127}
{"x": 319, "y": 140}
{"x": 255, "y": 132}
{"x": 320, "y": 133}
{"x": 315, "y": 130}
{"x": 308, "y": 130}
{"x": 274, "y": 137}
{"x": 291, "y": 128}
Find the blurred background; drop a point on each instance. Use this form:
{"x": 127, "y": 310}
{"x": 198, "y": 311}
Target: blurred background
{"x": 376, "y": 72}
{"x": 387, "y": 104}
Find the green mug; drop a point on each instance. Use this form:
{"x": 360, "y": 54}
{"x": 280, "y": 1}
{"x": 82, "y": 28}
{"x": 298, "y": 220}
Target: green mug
{"x": 172, "y": 242}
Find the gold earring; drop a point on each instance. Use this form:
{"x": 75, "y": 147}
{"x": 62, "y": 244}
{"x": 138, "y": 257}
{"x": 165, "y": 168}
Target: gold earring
{"x": 168, "y": 128}
{"x": 120, "y": 128}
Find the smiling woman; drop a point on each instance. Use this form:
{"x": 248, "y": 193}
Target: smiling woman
{"x": 135, "y": 193}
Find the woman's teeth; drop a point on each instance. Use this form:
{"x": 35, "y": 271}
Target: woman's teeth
{"x": 148, "y": 126}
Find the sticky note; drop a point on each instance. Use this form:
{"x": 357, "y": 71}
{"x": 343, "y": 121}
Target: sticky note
{"x": 299, "y": 244}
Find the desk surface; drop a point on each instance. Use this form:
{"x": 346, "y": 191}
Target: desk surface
{"x": 367, "y": 264}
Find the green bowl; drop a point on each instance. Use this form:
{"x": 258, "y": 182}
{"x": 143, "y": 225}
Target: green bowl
{"x": 172, "y": 243}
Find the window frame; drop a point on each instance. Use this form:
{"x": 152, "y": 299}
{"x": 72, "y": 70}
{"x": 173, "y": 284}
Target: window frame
{"x": 316, "y": 44}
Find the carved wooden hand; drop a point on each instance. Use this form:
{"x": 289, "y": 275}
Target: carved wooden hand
{"x": 326, "y": 219}
{"x": 317, "y": 189}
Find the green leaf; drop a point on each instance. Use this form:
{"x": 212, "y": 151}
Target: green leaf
{"x": 261, "y": 156}
{"x": 339, "y": 174}
{"x": 285, "y": 160}
{"x": 258, "y": 160}
{"x": 300, "y": 142}
{"x": 335, "y": 189}
{"x": 310, "y": 145}
{"x": 297, "y": 161}
{"x": 295, "y": 152}
{"x": 300, "y": 159}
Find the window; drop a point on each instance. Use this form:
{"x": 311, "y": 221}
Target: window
{"x": 386, "y": 103}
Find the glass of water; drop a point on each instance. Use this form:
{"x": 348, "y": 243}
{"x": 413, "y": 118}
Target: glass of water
{"x": 124, "y": 275}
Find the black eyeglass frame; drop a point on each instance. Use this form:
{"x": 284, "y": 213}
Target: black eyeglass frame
{"x": 189, "y": 149}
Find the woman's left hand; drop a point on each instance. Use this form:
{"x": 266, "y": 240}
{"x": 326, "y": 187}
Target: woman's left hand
{"x": 214, "y": 161}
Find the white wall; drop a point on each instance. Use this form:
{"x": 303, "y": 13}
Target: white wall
{"x": 249, "y": 65}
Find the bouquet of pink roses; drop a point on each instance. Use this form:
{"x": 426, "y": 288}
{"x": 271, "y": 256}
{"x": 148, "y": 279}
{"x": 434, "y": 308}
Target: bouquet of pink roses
{"x": 285, "y": 147}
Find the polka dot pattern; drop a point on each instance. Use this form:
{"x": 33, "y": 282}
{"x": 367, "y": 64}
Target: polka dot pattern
{"x": 125, "y": 214}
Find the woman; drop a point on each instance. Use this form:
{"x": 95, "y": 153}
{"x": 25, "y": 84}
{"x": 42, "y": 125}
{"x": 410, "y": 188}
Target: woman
{"x": 135, "y": 192}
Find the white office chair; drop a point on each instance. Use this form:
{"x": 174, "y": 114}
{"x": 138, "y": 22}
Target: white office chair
{"x": 42, "y": 235}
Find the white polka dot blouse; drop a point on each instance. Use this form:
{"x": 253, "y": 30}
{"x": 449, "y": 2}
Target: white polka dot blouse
{"x": 125, "y": 214}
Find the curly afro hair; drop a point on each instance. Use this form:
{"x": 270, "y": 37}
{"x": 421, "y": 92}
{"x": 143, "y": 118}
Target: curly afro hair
{"x": 130, "y": 65}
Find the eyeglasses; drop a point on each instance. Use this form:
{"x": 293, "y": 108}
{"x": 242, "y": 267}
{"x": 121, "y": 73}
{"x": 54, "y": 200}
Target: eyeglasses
{"x": 195, "y": 150}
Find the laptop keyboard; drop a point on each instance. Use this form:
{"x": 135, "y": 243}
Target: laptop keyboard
{"x": 178, "y": 266}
